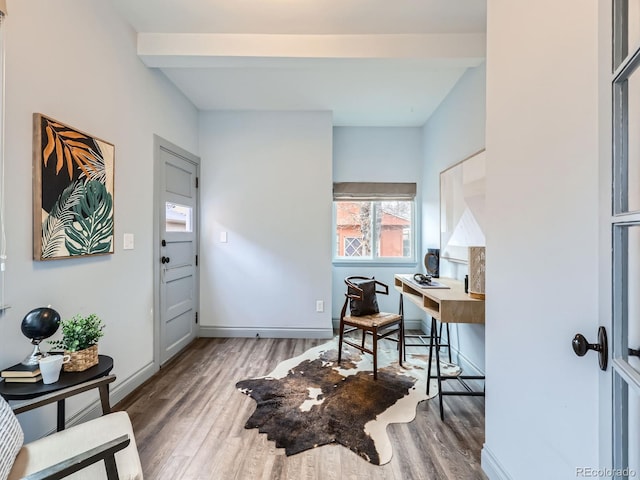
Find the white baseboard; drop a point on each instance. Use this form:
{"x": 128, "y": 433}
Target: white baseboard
{"x": 457, "y": 357}
{"x": 116, "y": 394}
{"x": 425, "y": 325}
{"x": 249, "y": 332}
{"x": 468, "y": 367}
{"x": 491, "y": 466}
{"x": 134, "y": 381}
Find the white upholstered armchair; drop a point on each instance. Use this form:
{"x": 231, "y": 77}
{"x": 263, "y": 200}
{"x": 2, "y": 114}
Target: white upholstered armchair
{"x": 103, "y": 448}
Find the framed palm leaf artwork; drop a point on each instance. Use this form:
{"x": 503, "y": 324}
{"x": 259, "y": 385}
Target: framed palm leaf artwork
{"x": 72, "y": 192}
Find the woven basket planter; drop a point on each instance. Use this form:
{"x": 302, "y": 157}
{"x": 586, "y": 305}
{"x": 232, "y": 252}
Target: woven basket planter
{"x": 82, "y": 359}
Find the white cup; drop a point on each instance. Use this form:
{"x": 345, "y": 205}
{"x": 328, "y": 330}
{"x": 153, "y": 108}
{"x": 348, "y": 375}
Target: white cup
{"x": 50, "y": 367}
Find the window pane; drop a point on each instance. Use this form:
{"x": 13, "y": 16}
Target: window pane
{"x": 632, "y": 181}
{"x": 353, "y": 229}
{"x": 627, "y": 142}
{"x": 627, "y": 429}
{"x": 633, "y": 445}
{"x": 178, "y": 218}
{"x": 393, "y": 229}
{"x": 626, "y": 30}
{"x": 633, "y": 26}
{"x": 632, "y": 334}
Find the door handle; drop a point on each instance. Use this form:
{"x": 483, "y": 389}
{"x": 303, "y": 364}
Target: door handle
{"x": 581, "y": 347}
{"x": 634, "y": 353}
{"x": 165, "y": 260}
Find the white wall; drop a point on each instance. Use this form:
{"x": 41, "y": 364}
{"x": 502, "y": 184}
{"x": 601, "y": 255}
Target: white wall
{"x": 372, "y": 154}
{"x": 75, "y": 60}
{"x": 266, "y": 181}
{"x": 542, "y": 238}
{"x": 455, "y": 131}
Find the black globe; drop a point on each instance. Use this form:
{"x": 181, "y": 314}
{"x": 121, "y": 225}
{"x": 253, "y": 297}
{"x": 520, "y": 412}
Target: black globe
{"x": 40, "y": 323}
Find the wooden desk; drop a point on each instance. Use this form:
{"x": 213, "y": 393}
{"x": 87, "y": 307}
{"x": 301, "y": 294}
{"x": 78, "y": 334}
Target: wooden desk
{"x": 446, "y": 305}
{"x": 70, "y": 383}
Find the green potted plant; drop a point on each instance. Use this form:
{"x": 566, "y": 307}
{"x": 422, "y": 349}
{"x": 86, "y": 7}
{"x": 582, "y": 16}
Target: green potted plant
{"x": 80, "y": 337}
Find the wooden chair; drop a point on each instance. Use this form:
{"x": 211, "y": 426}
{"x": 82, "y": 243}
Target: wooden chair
{"x": 379, "y": 324}
{"x": 103, "y": 448}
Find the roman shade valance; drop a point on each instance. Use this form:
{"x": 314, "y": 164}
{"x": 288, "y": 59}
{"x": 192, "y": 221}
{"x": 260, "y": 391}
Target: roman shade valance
{"x": 372, "y": 191}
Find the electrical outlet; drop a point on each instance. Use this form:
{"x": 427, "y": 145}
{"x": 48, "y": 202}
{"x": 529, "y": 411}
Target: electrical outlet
{"x": 319, "y": 306}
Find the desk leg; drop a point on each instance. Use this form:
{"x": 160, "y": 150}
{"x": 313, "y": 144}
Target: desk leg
{"x": 448, "y": 344}
{"x": 61, "y": 415}
{"x": 430, "y": 360}
{"x": 433, "y": 329}
{"x": 402, "y": 332}
{"x": 104, "y": 398}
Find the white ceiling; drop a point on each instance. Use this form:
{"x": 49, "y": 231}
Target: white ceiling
{"x": 371, "y": 62}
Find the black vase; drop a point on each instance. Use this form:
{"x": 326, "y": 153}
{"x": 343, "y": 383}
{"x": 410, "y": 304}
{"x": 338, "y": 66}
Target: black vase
{"x": 432, "y": 262}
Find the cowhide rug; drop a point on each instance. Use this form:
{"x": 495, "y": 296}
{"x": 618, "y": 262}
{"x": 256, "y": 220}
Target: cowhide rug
{"x": 309, "y": 400}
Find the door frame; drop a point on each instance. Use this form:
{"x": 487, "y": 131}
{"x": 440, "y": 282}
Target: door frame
{"x": 614, "y": 217}
{"x": 605, "y": 264}
{"x": 159, "y": 144}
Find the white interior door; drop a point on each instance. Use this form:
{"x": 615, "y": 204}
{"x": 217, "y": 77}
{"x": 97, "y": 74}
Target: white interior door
{"x": 177, "y": 258}
{"x": 624, "y": 228}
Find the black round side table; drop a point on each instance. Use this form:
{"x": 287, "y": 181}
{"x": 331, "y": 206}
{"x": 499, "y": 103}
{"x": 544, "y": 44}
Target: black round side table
{"x": 27, "y": 391}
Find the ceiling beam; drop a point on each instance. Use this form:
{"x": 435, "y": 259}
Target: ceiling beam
{"x": 185, "y": 50}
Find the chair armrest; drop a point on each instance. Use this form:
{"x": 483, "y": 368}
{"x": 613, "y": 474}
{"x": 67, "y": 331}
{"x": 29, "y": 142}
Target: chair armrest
{"x": 384, "y": 286}
{"x": 62, "y": 394}
{"x": 105, "y": 452}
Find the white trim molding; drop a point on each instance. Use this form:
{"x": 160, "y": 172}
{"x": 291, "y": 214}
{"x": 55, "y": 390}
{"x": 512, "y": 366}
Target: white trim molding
{"x": 116, "y": 394}
{"x": 491, "y": 466}
{"x": 264, "y": 332}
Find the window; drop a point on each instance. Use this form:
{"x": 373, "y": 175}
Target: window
{"x": 374, "y": 221}
{"x": 178, "y": 218}
{"x": 352, "y": 246}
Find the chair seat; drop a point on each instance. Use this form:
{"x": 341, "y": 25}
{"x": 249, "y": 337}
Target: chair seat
{"x": 59, "y": 446}
{"x": 375, "y": 320}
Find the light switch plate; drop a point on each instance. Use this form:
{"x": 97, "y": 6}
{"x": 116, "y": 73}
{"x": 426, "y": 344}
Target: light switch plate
{"x": 223, "y": 237}
{"x": 128, "y": 241}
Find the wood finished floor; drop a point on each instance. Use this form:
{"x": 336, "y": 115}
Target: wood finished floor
{"x": 189, "y": 425}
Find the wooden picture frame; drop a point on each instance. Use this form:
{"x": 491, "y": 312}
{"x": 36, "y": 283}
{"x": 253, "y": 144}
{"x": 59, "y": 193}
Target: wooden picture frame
{"x": 462, "y": 207}
{"x": 73, "y": 209}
